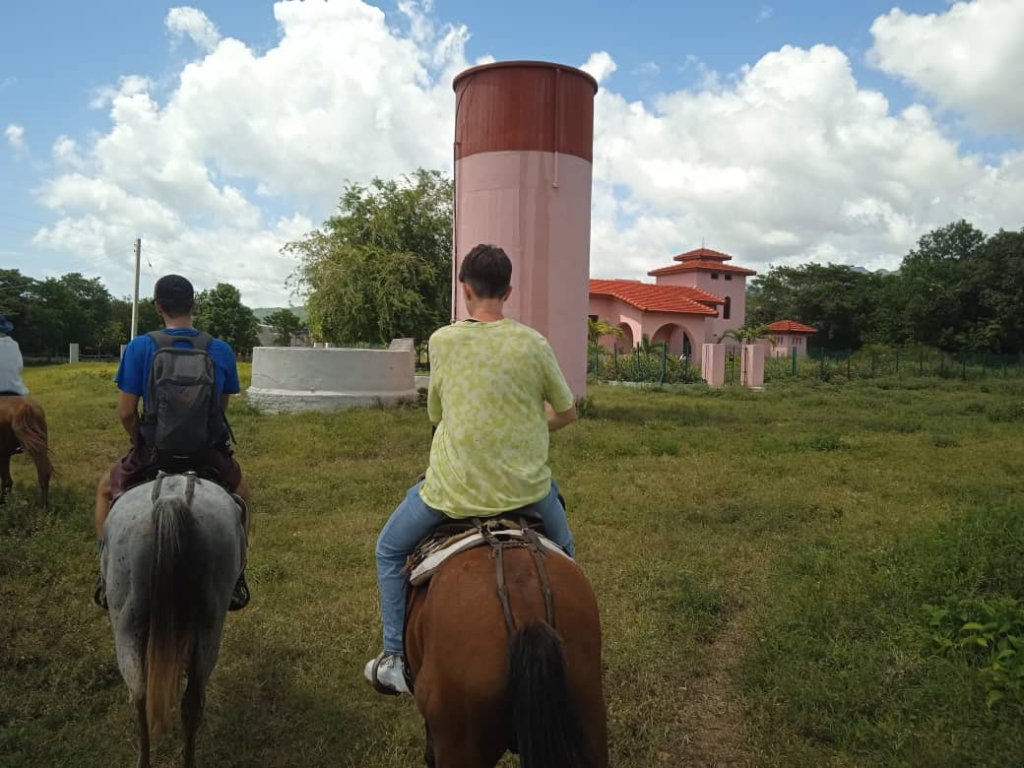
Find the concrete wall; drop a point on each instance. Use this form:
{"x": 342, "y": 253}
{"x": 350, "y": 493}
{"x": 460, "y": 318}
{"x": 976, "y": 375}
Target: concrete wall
{"x": 784, "y": 343}
{"x": 302, "y": 379}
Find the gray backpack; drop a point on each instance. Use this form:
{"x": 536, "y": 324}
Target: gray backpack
{"x": 181, "y": 414}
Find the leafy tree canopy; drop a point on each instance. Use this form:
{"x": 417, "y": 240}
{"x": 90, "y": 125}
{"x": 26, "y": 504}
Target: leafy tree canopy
{"x": 381, "y": 267}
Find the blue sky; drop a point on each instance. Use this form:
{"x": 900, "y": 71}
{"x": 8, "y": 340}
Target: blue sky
{"x": 871, "y": 136}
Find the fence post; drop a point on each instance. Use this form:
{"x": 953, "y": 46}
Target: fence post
{"x": 636, "y": 370}
{"x": 616, "y": 359}
{"x": 792, "y": 354}
{"x": 664, "y": 361}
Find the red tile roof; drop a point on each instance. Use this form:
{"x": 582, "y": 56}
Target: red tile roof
{"x": 702, "y": 264}
{"x": 701, "y": 259}
{"x": 657, "y": 298}
{"x": 789, "y": 326}
{"x": 701, "y": 254}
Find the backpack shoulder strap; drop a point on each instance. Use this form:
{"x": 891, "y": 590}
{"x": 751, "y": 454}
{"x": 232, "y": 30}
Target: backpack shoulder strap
{"x": 162, "y": 339}
{"x": 201, "y": 341}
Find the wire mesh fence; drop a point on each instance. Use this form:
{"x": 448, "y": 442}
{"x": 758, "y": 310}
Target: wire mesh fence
{"x": 897, "y": 362}
{"x": 656, "y": 365}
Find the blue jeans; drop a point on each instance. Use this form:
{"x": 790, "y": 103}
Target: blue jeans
{"x": 409, "y": 523}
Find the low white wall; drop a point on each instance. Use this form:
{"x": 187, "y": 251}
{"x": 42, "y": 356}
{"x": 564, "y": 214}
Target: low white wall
{"x": 304, "y": 379}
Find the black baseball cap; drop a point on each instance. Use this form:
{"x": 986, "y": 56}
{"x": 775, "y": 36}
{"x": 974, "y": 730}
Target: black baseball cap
{"x": 173, "y": 289}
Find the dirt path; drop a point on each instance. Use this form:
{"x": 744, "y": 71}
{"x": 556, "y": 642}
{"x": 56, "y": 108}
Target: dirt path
{"x": 712, "y": 714}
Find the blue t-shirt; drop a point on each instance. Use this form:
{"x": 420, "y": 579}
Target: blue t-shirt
{"x": 133, "y": 373}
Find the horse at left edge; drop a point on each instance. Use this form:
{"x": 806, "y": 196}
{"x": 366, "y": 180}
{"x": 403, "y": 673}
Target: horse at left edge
{"x": 23, "y": 428}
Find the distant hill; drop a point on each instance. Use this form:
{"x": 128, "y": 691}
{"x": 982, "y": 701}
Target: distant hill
{"x": 262, "y": 312}
{"x": 866, "y": 271}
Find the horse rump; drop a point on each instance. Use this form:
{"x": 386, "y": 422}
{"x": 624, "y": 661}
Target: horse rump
{"x": 548, "y": 732}
{"x": 28, "y": 423}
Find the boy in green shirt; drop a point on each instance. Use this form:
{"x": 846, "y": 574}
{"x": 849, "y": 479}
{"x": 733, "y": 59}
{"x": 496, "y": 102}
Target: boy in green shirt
{"x": 496, "y": 391}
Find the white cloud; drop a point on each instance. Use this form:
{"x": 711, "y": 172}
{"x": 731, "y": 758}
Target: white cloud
{"x": 249, "y": 150}
{"x": 787, "y": 160}
{"x": 647, "y": 69}
{"x": 127, "y": 85}
{"x": 792, "y": 161}
{"x": 65, "y": 153}
{"x": 16, "y": 138}
{"x": 764, "y": 13}
{"x": 194, "y": 24}
{"x": 969, "y": 59}
{"x": 600, "y": 66}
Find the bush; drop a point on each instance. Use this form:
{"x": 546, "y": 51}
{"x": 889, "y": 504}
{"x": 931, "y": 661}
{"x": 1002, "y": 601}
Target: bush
{"x": 651, "y": 366}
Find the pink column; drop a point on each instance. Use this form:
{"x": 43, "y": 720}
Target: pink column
{"x": 752, "y": 366}
{"x": 712, "y": 364}
{"x": 523, "y": 154}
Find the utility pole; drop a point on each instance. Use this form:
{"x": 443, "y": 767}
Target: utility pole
{"x": 135, "y": 295}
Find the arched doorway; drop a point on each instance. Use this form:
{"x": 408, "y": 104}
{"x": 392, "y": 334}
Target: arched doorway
{"x": 628, "y": 340}
{"x": 676, "y": 337}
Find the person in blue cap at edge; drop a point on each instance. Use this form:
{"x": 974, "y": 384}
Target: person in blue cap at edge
{"x": 11, "y": 362}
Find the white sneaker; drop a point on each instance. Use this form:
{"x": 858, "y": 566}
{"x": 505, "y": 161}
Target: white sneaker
{"x": 390, "y": 674}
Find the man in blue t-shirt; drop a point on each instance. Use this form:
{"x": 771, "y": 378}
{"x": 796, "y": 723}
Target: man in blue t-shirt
{"x": 174, "y": 298}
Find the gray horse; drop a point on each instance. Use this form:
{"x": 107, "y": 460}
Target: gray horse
{"x": 174, "y": 549}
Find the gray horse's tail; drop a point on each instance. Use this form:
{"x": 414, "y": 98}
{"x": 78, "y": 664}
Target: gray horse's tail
{"x": 172, "y": 607}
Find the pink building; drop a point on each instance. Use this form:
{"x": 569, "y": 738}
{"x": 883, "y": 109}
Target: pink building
{"x": 788, "y": 334}
{"x": 691, "y": 303}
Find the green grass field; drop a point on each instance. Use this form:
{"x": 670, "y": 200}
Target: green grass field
{"x": 784, "y": 577}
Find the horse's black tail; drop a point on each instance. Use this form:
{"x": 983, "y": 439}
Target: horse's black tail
{"x": 172, "y": 605}
{"x": 548, "y": 732}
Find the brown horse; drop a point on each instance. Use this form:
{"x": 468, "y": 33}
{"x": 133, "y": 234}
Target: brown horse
{"x": 527, "y": 681}
{"x": 23, "y": 424}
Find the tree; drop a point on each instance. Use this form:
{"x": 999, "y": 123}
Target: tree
{"x": 749, "y": 334}
{"x": 996, "y": 278}
{"x": 833, "y": 297}
{"x": 17, "y": 295}
{"x": 286, "y": 323}
{"x": 121, "y": 319}
{"x": 940, "y": 298}
{"x": 381, "y": 267}
{"x": 220, "y": 313}
{"x": 598, "y": 328}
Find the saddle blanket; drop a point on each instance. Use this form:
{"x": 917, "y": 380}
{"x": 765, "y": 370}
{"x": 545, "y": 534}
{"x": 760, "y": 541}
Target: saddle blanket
{"x": 423, "y": 569}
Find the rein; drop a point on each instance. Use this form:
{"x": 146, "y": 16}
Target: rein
{"x": 531, "y": 542}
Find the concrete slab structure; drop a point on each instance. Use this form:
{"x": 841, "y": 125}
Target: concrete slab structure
{"x": 307, "y": 379}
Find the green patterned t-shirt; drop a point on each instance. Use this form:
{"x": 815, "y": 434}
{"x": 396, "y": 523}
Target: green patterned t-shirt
{"x": 488, "y": 386}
